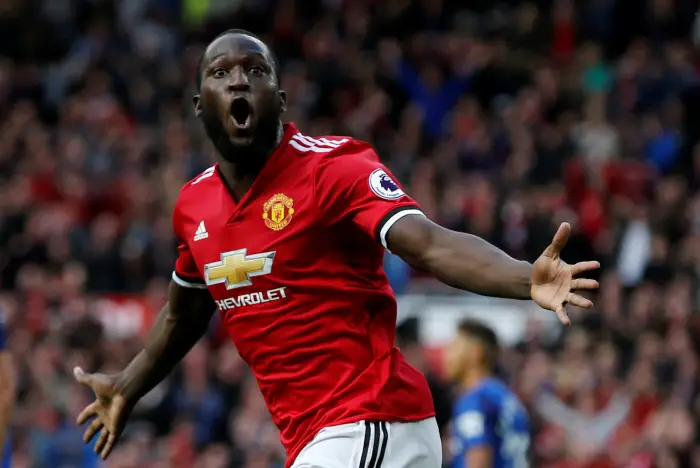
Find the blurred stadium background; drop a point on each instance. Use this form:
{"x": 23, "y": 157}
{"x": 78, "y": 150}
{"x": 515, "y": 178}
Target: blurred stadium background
{"x": 502, "y": 118}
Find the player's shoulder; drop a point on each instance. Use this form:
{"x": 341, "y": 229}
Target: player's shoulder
{"x": 497, "y": 395}
{"x": 468, "y": 400}
{"x": 488, "y": 392}
{"x": 493, "y": 385}
{"x": 495, "y": 390}
{"x": 202, "y": 181}
{"x": 198, "y": 186}
{"x": 328, "y": 147}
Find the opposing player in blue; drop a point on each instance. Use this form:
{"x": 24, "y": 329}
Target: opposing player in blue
{"x": 490, "y": 427}
{"x": 6, "y": 399}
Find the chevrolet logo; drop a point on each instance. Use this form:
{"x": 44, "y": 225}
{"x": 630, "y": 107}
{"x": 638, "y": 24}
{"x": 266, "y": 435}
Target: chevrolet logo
{"x": 236, "y": 269}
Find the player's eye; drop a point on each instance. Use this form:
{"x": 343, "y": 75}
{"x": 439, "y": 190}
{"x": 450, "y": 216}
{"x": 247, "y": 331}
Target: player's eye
{"x": 256, "y": 71}
{"x": 219, "y": 73}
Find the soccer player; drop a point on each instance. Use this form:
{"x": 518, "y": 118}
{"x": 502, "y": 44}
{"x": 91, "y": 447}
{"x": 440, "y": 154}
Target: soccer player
{"x": 285, "y": 237}
{"x": 6, "y": 399}
{"x": 490, "y": 428}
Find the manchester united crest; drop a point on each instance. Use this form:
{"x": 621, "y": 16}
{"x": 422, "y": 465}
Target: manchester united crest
{"x": 278, "y": 211}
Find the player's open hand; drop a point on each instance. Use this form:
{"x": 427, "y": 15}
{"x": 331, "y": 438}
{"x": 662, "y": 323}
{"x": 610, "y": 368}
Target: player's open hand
{"x": 554, "y": 282}
{"x": 109, "y": 411}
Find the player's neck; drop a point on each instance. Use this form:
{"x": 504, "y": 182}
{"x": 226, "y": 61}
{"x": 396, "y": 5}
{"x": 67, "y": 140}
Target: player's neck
{"x": 238, "y": 173}
{"x": 473, "y": 378}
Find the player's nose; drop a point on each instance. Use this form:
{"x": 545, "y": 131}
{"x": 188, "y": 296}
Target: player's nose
{"x": 239, "y": 80}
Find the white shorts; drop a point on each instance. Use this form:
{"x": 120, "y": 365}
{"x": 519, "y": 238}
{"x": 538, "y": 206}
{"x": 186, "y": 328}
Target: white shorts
{"x": 374, "y": 444}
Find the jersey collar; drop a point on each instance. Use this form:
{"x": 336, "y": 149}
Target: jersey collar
{"x": 289, "y": 130}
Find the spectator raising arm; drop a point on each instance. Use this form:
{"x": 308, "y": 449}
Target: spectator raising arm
{"x": 435, "y": 96}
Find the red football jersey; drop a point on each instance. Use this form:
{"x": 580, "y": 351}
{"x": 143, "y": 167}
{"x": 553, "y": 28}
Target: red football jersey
{"x": 295, "y": 268}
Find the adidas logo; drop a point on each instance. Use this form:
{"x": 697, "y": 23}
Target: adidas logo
{"x": 201, "y": 232}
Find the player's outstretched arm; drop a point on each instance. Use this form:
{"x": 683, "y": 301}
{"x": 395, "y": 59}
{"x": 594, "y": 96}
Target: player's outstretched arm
{"x": 180, "y": 324}
{"x": 470, "y": 263}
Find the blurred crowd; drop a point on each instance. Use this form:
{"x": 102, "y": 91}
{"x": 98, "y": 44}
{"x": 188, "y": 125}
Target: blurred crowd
{"x": 502, "y": 118}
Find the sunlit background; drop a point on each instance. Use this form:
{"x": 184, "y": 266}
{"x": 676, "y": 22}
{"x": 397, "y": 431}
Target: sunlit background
{"x": 502, "y": 118}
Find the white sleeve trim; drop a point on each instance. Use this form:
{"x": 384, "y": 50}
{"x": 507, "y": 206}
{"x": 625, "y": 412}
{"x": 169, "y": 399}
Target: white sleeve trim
{"x": 186, "y": 284}
{"x": 391, "y": 221}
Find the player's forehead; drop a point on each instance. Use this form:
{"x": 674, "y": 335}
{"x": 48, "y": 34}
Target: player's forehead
{"x": 235, "y": 45}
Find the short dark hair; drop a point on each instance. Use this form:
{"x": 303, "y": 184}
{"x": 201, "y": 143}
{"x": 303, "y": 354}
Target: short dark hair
{"x": 486, "y": 336}
{"x": 242, "y": 32}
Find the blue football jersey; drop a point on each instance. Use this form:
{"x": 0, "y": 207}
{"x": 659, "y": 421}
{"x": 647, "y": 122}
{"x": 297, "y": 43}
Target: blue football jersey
{"x": 6, "y": 456}
{"x": 490, "y": 414}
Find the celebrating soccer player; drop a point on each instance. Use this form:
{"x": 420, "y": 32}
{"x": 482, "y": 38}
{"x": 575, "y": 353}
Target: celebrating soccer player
{"x": 6, "y": 399}
{"x": 285, "y": 237}
{"x": 490, "y": 428}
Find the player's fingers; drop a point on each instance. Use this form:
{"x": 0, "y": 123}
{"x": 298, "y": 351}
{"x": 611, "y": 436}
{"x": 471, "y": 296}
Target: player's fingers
{"x": 111, "y": 440}
{"x": 101, "y": 441}
{"x": 89, "y": 411}
{"x": 583, "y": 283}
{"x": 82, "y": 378}
{"x": 562, "y": 315}
{"x": 92, "y": 429}
{"x": 559, "y": 241}
{"x": 578, "y": 301}
{"x": 584, "y": 266}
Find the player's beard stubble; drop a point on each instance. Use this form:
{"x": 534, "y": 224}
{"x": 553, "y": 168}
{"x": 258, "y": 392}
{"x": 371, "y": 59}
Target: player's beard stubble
{"x": 249, "y": 158}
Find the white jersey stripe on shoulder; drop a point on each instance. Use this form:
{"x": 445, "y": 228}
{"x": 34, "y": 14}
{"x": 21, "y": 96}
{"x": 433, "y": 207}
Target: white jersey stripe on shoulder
{"x": 323, "y": 141}
{"x": 337, "y": 143}
{"x": 208, "y": 173}
{"x": 320, "y": 141}
{"x": 305, "y": 143}
{"x": 304, "y": 140}
{"x": 306, "y": 149}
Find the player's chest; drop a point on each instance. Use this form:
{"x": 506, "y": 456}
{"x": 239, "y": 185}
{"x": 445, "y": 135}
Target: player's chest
{"x": 260, "y": 245}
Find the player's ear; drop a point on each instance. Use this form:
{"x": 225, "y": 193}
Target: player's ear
{"x": 197, "y": 105}
{"x": 283, "y": 101}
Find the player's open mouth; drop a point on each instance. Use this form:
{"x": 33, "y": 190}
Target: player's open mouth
{"x": 241, "y": 113}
